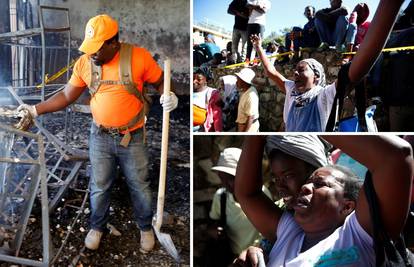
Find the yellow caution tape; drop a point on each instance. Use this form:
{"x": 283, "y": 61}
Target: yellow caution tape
{"x": 258, "y": 60}
{"x": 57, "y": 74}
{"x": 393, "y": 49}
{"x": 403, "y": 48}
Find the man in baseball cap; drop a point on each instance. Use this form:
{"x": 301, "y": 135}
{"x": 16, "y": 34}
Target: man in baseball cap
{"x": 248, "y": 111}
{"x": 97, "y": 31}
{"x": 239, "y": 229}
{"x": 117, "y": 106}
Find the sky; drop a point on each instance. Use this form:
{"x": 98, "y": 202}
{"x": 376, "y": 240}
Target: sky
{"x": 283, "y": 14}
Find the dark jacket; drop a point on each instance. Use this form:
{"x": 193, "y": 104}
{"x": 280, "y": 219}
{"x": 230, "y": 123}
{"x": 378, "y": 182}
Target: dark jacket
{"x": 330, "y": 15}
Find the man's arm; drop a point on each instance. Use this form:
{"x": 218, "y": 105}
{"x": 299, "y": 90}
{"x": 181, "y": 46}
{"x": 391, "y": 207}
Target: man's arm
{"x": 260, "y": 210}
{"x": 322, "y": 14}
{"x": 60, "y": 100}
{"x": 232, "y": 10}
{"x": 335, "y": 13}
{"x": 375, "y": 39}
{"x": 330, "y": 15}
{"x": 249, "y": 123}
{"x": 261, "y": 8}
{"x": 159, "y": 84}
{"x": 241, "y": 127}
{"x": 244, "y": 127}
{"x": 389, "y": 159}
{"x": 271, "y": 71}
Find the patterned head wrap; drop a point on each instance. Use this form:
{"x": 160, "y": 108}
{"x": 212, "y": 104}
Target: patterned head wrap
{"x": 318, "y": 69}
{"x": 309, "y": 148}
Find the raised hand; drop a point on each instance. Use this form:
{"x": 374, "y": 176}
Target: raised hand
{"x": 256, "y": 40}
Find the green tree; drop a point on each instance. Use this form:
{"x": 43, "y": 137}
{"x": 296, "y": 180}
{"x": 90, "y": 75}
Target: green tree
{"x": 278, "y": 37}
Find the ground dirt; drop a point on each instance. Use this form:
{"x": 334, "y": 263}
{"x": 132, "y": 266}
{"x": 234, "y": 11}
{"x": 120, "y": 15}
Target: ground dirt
{"x": 120, "y": 250}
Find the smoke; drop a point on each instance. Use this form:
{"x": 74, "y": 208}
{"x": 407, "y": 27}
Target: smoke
{"x": 6, "y": 99}
{"x": 5, "y": 65}
{"x": 6, "y": 204}
{"x": 16, "y": 185}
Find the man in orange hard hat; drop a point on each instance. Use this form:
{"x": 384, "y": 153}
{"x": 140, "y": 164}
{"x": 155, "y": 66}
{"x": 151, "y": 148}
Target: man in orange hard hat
{"x": 115, "y": 73}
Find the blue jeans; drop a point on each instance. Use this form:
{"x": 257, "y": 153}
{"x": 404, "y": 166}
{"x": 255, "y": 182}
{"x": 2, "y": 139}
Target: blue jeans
{"x": 335, "y": 37}
{"x": 105, "y": 153}
{"x": 238, "y": 56}
{"x": 351, "y": 33}
{"x": 253, "y": 28}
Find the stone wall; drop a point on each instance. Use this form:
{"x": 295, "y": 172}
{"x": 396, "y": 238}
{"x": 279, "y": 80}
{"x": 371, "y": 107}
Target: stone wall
{"x": 271, "y": 98}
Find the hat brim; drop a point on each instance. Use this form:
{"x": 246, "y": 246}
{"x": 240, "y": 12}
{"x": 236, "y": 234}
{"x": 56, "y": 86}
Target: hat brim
{"x": 227, "y": 170}
{"x": 241, "y": 78}
{"x": 90, "y": 47}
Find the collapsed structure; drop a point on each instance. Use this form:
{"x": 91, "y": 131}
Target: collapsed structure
{"x": 28, "y": 160}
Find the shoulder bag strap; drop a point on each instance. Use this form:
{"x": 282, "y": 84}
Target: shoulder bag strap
{"x": 387, "y": 252}
{"x": 337, "y": 105}
{"x": 223, "y": 198}
{"x": 361, "y": 105}
{"x": 375, "y": 217}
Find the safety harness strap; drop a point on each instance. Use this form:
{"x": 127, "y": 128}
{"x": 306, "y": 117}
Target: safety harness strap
{"x": 125, "y": 79}
{"x": 125, "y": 71}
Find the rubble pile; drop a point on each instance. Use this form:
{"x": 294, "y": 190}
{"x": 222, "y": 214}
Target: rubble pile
{"x": 120, "y": 244}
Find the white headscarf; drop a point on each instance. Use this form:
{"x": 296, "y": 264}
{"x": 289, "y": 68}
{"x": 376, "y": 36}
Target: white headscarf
{"x": 229, "y": 82}
{"x": 309, "y": 148}
{"x": 306, "y": 97}
{"x": 318, "y": 69}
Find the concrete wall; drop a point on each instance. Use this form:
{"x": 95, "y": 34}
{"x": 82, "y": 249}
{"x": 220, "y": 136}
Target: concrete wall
{"x": 220, "y": 39}
{"x": 161, "y": 26}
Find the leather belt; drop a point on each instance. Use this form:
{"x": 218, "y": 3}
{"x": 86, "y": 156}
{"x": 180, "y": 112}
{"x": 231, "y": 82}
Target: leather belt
{"x": 115, "y": 131}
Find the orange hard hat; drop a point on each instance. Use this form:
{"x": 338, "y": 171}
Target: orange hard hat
{"x": 98, "y": 29}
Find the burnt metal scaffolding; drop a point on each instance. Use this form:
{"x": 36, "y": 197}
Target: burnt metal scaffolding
{"x": 61, "y": 166}
{"x": 63, "y": 163}
{"x": 20, "y": 178}
{"x": 35, "y": 86}
{"x": 39, "y": 157}
{"x": 25, "y": 42}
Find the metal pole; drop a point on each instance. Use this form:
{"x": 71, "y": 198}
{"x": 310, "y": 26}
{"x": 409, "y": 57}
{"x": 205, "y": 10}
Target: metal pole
{"x": 45, "y": 205}
{"x": 43, "y": 43}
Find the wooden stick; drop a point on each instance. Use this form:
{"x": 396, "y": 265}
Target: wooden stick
{"x": 164, "y": 147}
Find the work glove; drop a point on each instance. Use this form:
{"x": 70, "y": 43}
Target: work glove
{"x": 27, "y": 114}
{"x": 169, "y": 102}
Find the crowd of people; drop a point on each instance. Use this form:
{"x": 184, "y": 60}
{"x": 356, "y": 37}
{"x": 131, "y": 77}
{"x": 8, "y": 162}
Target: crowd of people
{"x": 334, "y": 27}
{"x": 333, "y": 201}
{"x": 319, "y": 210}
{"x": 310, "y": 103}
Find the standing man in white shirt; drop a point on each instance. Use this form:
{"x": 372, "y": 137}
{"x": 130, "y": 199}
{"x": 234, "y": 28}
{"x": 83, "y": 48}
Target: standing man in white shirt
{"x": 257, "y": 21}
{"x": 248, "y": 110}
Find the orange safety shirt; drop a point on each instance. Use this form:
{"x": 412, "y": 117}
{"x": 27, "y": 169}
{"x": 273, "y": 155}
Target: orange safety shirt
{"x": 112, "y": 105}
